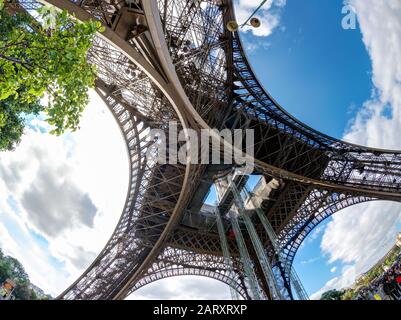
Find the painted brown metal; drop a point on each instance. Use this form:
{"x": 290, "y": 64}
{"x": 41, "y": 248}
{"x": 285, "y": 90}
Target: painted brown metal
{"x": 164, "y": 60}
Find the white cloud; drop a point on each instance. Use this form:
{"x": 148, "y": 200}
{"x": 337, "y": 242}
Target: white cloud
{"x": 360, "y": 235}
{"x": 372, "y": 125}
{"x": 347, "y": 277}
{"x": 69, "y": 190}
{"x": 315, "y": 234}
{"x": 183, "y": 288}
{"x": 311, "y": 260}
{"x": 334, "y": 269}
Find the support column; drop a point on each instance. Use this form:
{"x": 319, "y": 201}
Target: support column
{"x": 299, "y": 289}
{"x": 226, "y": 252}
{"x": 258, "y": 246}
{"x": 251, "y": 280}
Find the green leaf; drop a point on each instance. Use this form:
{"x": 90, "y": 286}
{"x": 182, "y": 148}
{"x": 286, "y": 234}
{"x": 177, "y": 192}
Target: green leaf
{"x": 39, "y": 61}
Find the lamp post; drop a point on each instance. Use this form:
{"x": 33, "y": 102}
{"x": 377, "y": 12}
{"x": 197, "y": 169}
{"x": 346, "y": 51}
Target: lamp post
{"x": 233, "y": 26}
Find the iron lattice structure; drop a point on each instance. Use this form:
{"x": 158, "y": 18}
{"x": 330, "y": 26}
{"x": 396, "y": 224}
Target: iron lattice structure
{"x": 165, "y": 60}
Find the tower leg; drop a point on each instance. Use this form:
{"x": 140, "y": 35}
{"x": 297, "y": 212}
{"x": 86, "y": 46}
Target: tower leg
{"x": 262, "y": 258}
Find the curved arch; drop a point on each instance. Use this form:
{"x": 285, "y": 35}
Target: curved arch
{"x": 314, "y": 210}
{"x": 125, "y": 255}
{"x": 340, "y": 166}
{"x": 345, "y": 159}
{"x": 124, "y": 238}
{"x": 335, "y": 163}
{"x": 292, "y": 241}
{"x": 175, "y": 272}
{"x": 174, "y": 261}
{"x": 283, "y": 114}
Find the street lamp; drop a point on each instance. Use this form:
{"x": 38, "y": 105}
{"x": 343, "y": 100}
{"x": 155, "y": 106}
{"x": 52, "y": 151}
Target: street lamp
{"x": 233, "y": 26}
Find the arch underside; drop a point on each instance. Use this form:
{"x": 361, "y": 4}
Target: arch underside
{"x": 154, "y": 190}
{"x": 318, "y": 206}
{"x": 321, "y": 175}
{"x": 216, "y": 59}
{"x": 202, "y": 272}
{"x": 174, "y": 262}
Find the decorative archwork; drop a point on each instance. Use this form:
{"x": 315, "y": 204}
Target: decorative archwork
{"x": 145, "y": 204}
{"x": 145, "y": 65}
{"x": 190, "y": 272}
{"x": 318, "y": 206}
{"x": 130, "y": 87}
{"x": 178, "y": 262}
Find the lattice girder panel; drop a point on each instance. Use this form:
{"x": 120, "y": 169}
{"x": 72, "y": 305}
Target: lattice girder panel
{"x": 300, "y": 149}
{"x": 177, "y": 262}
{"x": 290, "y": 198}
{"x": 194, "y": 33}
{"x": 192, "y": 240}
{"x": 319, "y": 205}
{"x": 137, "y": 104}
{"x": 124, "y": 251}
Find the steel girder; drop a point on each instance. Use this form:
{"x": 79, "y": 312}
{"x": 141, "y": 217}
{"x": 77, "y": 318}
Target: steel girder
{"x": 316, "y": 207}
{"x": 174, "y": 262}
{"x": 174, "y": 60}
{"x": 198, "y": 44}
{"x": 154, "y": 190}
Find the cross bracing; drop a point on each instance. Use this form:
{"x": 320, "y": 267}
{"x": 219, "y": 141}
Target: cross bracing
{"x": 174, "y": 60}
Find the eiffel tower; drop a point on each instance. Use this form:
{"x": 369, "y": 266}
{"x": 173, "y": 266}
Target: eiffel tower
{"x": 175, "y": 60}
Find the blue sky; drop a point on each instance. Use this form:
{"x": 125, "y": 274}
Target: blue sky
{"x": 316, "y": 70}
{"x": 345, "y": 83}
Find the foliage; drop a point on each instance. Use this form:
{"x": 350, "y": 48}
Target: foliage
{"x": 332, "y": 295}
{"x": 392, "y": 257}
{"x": 12, "y": 121}
{"x": 365, "y": 280}
{"x": 11, "y": 268}
{"x": 39, "y": 61}
{"x": 378, "y": 270}
{"x": 349, "y": 294}
{"x": 374, "y": 273}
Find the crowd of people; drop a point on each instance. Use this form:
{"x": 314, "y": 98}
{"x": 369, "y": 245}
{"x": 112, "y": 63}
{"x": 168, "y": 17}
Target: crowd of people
{"x": 385, "y": 287}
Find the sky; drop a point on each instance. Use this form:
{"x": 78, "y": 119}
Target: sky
{"x": 62, "y": 196}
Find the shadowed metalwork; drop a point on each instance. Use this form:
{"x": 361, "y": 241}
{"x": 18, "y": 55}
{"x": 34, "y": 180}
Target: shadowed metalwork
{"x": 174, "y": 60}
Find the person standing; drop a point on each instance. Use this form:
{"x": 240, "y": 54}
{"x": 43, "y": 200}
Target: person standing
{"x": 389, "y": 288}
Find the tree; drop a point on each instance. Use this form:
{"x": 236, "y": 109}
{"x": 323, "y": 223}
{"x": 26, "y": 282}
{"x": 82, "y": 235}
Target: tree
{"x": 43, "y": 59}
{"x": 349, "y": 294}
{"x": 332, "y": 295}
{"x": 17, "y": 271}
{"x": 23, "y": 291}
{"x": 11, "y": 268}
{"x": 12, "y": 121}
{"x": 4, "y": 270}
